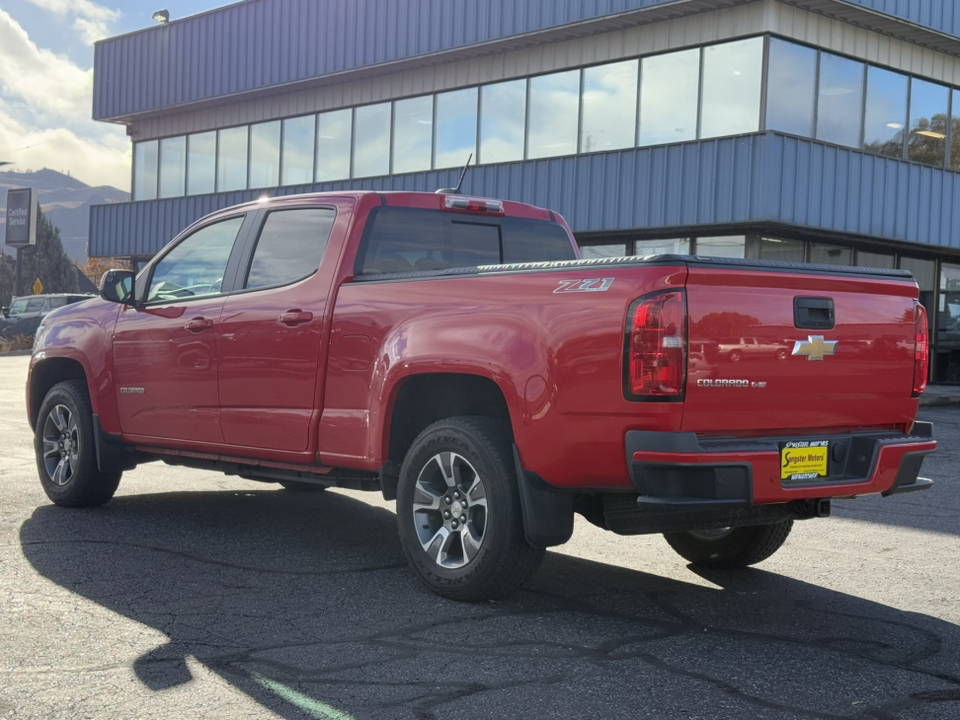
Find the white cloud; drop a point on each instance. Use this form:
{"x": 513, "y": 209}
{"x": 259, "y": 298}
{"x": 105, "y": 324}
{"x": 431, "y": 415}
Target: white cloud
{"x": 92, "y": 21}
{"x": 45, "y": 113}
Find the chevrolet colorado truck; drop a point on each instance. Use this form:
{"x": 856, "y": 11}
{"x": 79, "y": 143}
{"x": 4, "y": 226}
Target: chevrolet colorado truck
{"x": 456, "y": 354}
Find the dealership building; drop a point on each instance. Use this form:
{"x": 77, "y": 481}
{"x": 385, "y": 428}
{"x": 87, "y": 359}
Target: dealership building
{"x": 825, "y": 131}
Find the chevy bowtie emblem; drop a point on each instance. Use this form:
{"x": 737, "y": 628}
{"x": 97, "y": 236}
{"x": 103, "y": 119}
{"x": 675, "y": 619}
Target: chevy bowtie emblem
{"x": 815, "y": 347}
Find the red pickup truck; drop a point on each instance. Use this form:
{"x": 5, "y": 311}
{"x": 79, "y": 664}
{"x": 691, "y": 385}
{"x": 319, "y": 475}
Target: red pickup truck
{"x": 455, "y": 354}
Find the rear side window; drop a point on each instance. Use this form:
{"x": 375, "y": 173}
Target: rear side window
{"x": 290, "y": 246}
{"x": 407, "y": 240}
{"x": 34, "y": 305}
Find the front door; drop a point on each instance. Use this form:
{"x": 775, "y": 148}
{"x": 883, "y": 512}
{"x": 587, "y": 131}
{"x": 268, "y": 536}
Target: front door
{"x": 270, "y": 333}
{"x": 165, "y": 351}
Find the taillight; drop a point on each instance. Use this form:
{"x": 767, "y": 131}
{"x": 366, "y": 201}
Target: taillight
{"x": 656, "y": 347}
{"x": 921, "y": 362}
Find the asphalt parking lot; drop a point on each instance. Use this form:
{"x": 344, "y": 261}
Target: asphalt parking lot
{"x": 194, "y": 595}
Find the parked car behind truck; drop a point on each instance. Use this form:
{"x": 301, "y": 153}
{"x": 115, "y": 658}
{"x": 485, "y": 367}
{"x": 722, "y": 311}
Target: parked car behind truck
{"x": 454, "y": 354}
{"x": 24, "y": 314}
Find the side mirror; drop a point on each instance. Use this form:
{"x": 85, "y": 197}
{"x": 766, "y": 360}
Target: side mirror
{"x": 6, "y": 311}
{"x": 117, "y": 286}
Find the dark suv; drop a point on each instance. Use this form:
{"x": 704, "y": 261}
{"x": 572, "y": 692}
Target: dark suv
{"x": 24, "y": 314}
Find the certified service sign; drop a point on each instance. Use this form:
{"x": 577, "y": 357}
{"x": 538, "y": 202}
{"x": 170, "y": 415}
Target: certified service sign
{"x": 21, "y": 217}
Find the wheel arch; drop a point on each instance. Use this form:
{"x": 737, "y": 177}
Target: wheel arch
{"x": 47, "y": 373}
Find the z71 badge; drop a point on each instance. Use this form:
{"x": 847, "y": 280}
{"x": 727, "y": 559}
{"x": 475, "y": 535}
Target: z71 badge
{"x": 594, "y": 285}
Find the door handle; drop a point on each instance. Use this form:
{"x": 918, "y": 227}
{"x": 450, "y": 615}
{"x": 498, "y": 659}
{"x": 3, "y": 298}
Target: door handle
{"x": 295, "y": 317}
{"x": 198, "y": 324}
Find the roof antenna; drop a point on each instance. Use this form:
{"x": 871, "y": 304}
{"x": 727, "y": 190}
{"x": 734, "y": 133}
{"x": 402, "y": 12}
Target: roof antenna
{"x": 456, "y": 190}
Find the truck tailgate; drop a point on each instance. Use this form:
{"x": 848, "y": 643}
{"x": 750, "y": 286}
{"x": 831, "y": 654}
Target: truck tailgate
{"x": 758, "y": 364}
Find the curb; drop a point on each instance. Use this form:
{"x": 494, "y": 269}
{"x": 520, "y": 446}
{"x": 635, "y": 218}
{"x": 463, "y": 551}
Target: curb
{"x": 939, "y": 400}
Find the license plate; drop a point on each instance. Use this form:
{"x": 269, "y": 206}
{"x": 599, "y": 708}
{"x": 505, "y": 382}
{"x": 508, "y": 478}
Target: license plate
{"x": 803, "y": 460}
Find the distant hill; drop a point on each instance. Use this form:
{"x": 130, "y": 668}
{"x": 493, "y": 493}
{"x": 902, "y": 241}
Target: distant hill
{"x": 65, "y": 200}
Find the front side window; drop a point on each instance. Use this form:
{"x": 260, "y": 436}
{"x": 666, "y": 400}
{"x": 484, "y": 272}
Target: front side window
{"x": 195, "y": 267}
{"x": 18, "y": 307}
{"x": 34, "y": 305}
{"x": 290, "y": 246}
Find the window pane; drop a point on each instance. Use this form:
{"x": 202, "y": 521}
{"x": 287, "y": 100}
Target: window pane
{"x": 669, "y": 85}
{"x": 886, "y": 115}
{"x": 232, "y": 159}
{"x": 791, "y": 85}
{"x": 265, "y": 154}
{"x": 829, "y": 254}
{"x": 145, "y": 170}
{"x": 955, "y": 137}
{"x": 928, "y": 122}
{"x": 784, "y": 250}
{"x": 554, "y": 114}
{"x": 535, "y": 241}
{"x": 925, "y": 273}
{"x": 412, "y": 134}
{"x": 947, "y": 366}
{"x": 371, "y": 147}
{"x": 875, "y": 260}
{"x": 603, "y": 251}
{"x": 502, "y": 115}
{"x": 290, "y": 246}
{"x": 840, "y": 103}
{"x": 298, "y": 150}
{"x": 173, "y": 166}
{"x": 663, "y": 246}
{"x": 456, "y": 127}
{"x": 201, "y": 163}
{"x": 334, "y": 130}
{"x": 195, "y": 266}
{"x": 609, "y": 106}
{"x": 726, "y": 246}
{"x": 732, "y": 73}
{"x": 948, "y": 317}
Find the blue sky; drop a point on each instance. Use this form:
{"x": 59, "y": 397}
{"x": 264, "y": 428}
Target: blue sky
{"x": 46, "y": 83}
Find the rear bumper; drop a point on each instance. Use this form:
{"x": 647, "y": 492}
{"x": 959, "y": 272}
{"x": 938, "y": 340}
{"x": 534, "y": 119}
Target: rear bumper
{"x": 684, "y": 471}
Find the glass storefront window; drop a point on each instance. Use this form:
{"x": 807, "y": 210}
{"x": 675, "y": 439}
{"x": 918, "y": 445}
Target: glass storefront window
{"x": 503, "y": 112}
{"x": 886, "y": 116}
{"x": 791, "y": 86}
{"x": 875, "y": 260}
{"x": 298, "y": 152}
{"x": 173, "y": 166}
{"x": 927, "y": 140}
{"x": 946, "y": 366}
{"x": 669, "y": 88}
{"x": 371, "y": 142}
{"x": 334, "y": 134}
{"x": 412, "y": 134}
{"x": 955, "y": 135}
{"x": 603, "y": 251}
{"x": 824, "y": 254}
{"x": 145, "y": 161}
{"x": 840, "y": 101}
{"x": 783, "y": 249}
{"x": 925, "y": 273}
{"x": 732, "y": 74}
{"x": 265, "y": 154}
{"x": 663, "y": 246}
{"x": 554, "y": 114}
{"x": 609, "y": 106}
{"x": 202, "y": 163}
{"x": 456, "y": 135}
{"x": 722, "y": 246}
{"x": 948, "y": 310}
{"x": 232, "y": 159}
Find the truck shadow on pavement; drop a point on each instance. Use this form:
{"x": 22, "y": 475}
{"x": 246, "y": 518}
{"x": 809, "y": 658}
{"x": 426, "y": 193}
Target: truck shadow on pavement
{"x": 305, "y": 604}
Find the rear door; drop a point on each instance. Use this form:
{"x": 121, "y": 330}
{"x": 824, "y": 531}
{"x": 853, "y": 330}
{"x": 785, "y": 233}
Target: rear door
{"x": 272, "y": 328}
{"x": 803, "y": 371}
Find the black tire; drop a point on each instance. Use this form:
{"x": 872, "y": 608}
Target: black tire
{"x": 493, "y": 558}
{"x": 294, "y": 486}
{"x": 64, "y": 431}
{"x": 737, "y": 548}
